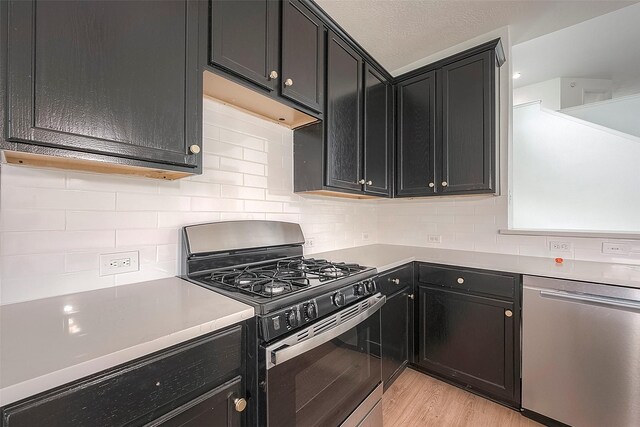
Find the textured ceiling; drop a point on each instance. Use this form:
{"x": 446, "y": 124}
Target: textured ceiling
{"x": 400, "y": 32}
{"x": 605, "y": 47}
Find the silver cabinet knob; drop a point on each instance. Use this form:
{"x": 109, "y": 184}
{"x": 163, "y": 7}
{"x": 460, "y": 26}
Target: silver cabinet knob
{"x": 369, "y": 182}
{"x": 239, "y": 404}
{"x": 508, "y": 313}
{"x": 410, "y": 296}
{"x": 288, "y": 82}
{"x": 195, "y": 149}
{"x": 431, "y": 185}
{"x": 361, "y": 181}
{"x": 460, "y": 280}
{"x": 273, "y": 75}
{"x": 396, "y": 281}
{"x": 445, "y": 183}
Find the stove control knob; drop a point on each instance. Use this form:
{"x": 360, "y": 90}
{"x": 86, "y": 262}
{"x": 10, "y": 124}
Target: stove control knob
{"x": 291, "y": 319}
{"x": 358, "y": 289}
{"x": 339, "y": 299}
{"x": 371, "y": 286}
{"x": 310, "y": 311}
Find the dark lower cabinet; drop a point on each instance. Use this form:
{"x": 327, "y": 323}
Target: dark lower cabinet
{"x": 186, "y": 385}
{"x": 110, "y": 82}
{"x": 469, "y": 338}
{"x": 214, "y": 408}
{"x": 245, "y": 39}
{"x": 394, "y": 317}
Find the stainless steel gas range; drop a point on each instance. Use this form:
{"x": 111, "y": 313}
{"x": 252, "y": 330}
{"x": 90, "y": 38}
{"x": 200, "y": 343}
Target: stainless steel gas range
{"x": 317, "y": 335}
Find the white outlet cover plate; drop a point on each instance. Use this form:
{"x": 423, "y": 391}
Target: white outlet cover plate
{"x": 432, "y": 238}
{"x": 615, "y": 248}
{"x": 556, "y": 246}
{"x": 106, "y": 269}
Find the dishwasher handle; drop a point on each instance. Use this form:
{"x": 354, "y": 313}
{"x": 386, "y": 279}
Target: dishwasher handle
{"x": 617, "y": 303}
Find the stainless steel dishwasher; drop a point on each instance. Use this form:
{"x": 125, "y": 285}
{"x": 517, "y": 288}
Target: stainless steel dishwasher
{"x": 581, "y": 352}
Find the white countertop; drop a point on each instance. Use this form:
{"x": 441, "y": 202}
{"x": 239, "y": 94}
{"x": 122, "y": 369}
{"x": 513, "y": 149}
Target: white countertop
{"x": 386, "y": 257}
{"x": 49, "y": 342}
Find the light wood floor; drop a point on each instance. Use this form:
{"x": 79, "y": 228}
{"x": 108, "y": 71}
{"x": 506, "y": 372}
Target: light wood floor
{"x": 416, "y": 399}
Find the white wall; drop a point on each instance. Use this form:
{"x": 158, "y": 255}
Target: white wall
{"x": 54, "y": 223}
{"x": 620, "y": 114}
{"x": 547, "y": 91}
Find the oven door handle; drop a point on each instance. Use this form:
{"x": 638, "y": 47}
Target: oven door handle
{"x": 281, "y": 355}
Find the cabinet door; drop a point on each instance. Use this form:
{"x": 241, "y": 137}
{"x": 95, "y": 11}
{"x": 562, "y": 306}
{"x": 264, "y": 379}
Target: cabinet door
{"x": 394, "y": 317}
{"x": 467, "y": 90}
{"x": 416, "y": 156}
{"x": 377, "y": 139}
{"x": 244, "y": 38}
{"x": 302, "y": 77}
{"x": 468, "y": 339}
{"x": 214, "y": 408}
{"x": 343, "y": 116}
{"x": 115, "y": 78}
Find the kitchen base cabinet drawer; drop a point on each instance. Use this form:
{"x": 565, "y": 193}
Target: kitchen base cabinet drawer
{"x": 395, "y": 280}
{"x": 222, "y": 406}
{"x": 140, "y": 392}
{"x": 468, "y": 280}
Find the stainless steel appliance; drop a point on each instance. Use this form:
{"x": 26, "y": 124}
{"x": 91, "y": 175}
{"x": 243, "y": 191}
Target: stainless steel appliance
{"x": 581, "y": 352}
{"x": 317, "y": 340}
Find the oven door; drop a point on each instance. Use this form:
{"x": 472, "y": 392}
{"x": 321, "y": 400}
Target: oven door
{"x": 321, "y": 374}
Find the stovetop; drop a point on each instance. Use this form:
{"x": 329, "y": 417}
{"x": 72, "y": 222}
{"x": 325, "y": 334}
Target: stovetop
{"x": 277, "y": 283}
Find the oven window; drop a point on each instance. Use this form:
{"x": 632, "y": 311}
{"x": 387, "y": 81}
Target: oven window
{"x": 325, "y": 384}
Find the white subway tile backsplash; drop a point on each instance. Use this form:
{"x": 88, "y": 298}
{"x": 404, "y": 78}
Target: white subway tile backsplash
{"x": 55, "y": 224}
{"x": 149, "y": 202}
{"x": 50, "y": 198}
{"x": 31, "y": 220}
{"x": 234, "y": 165}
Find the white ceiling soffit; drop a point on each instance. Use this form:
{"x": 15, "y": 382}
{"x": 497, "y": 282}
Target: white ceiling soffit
{"x": 605, "y": 47}
{"x": 399, "y": 32}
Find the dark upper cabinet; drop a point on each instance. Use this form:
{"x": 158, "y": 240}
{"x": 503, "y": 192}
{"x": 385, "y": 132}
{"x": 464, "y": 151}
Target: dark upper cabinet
{"x": 446, "y": 125}
{"x": 116, "y": 82}
{"x": 467, "y": 92}
{"x": 303, "y": 53}
{"x": 245, "y": 39}
{"x": 377, "y": 132}
{"x": 343, "y": 116}
{"x": 416, "y": 136}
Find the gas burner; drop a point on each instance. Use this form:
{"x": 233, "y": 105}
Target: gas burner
{"x": 332, "y": 271}
{"x": 274, "y": 288}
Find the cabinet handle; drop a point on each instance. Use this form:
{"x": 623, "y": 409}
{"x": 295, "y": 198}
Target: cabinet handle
{"x": 410, "y": 296}
{"x": 239, "y": 404}
{"x": 445, "y": 183}
{"x": 195, "y": 149}
{"x": 508, "y": 313}
{"x": 460, "y": 280}
{"x": 431, "y": 185}
{"x": 361, "y": 182}
{"x": 288, "y": 82}
{"x": 369, "y": 182}
{"x": 273, "y": 75}
{"x": 396, "y": 281}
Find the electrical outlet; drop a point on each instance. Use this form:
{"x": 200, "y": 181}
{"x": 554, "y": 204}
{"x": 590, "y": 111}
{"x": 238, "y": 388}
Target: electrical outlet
{"x": 433, "y": 238}
{"x": 121, "y": 262}
{"x": 560, "y": 246}
{"x": 309, "y": 242}
{"x": 615, "y": 248}
{"x": 365, "y": 236}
